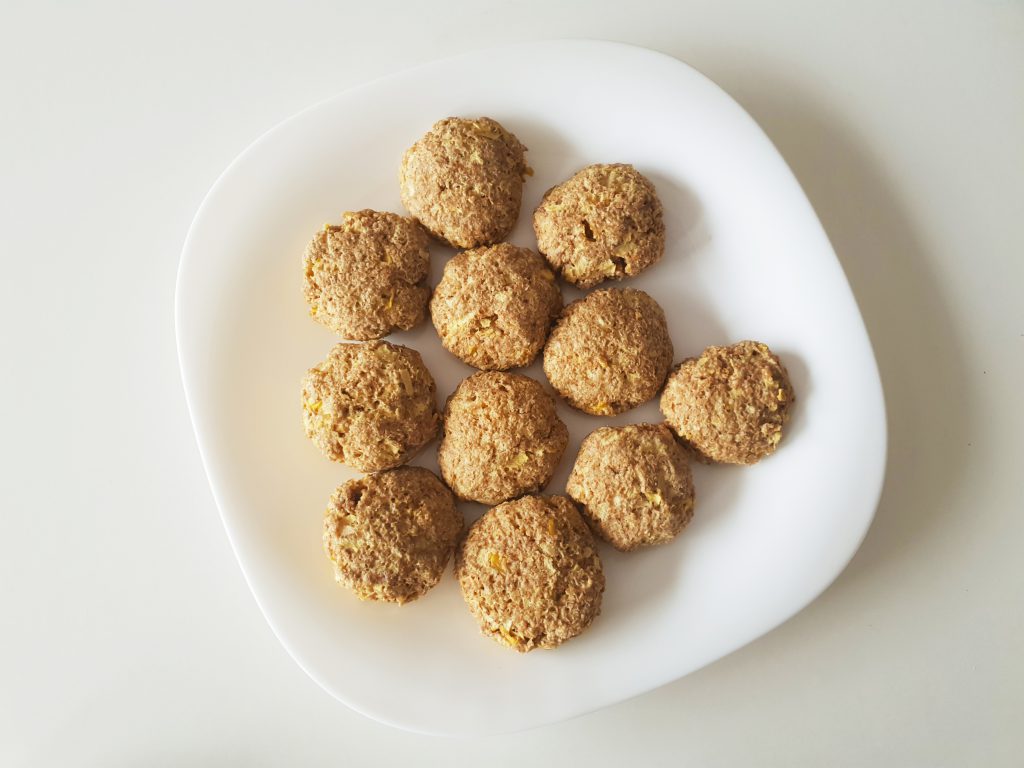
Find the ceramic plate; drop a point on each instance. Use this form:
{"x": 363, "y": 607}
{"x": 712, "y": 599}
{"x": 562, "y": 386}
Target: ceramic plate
{"x": 746, "y": 258}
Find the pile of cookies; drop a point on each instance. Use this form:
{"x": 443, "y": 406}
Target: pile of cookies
{"x": 529, "y": 568}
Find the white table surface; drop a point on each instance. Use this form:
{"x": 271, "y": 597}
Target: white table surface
{"x": 127, "y": 634}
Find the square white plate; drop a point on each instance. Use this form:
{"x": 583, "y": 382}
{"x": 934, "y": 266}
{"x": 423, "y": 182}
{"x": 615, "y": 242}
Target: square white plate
{"x": 746, "y": 258}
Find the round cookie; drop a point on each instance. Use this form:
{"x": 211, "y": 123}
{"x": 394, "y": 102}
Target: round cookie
{"x": 609, "y": 351}
{"x": 371, "y": 406}
{"x": 730, "y": 404}
{"x": 390, "y": 534}
{"x": 605, "y": 222}
{"x": 633, "y": 484}
{"x": 367, "y": 277}
{"x": 530, "y": 573}
{"x": 502, "y": 438}
{"x": 494, "y": 306}
{"x": 463, "y": 181}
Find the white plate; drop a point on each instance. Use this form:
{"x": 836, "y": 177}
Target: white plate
{"x": 746, "y": 258}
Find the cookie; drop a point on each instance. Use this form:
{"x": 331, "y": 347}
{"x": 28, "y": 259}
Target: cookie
{"x": 633, "y": 485}
{"x": 368, "y": 277}
{"x": 463, "y": 181}
{"x": 495, "y": 305}
{"x": 730, "y": 404}
{"x": 391, "y": 534}
{"x": 609, "y": 351}
{"x": 530, "y": 573}
{"x": 604, "y": 223}
{"x": 502, "y": 438}
{"x": 371, "y": 406}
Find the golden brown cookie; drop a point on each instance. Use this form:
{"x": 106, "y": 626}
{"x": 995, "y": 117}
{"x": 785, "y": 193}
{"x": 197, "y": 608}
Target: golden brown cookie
{"x": 371, "y": 406}
{"x": 609, "y": 351}
{"x": 502, "y": 437}
{"x": 368, "y": 277}
{"x": 463, "y": 181}
{"x": 730, "y": 404}
{"x": 530, "y": 573}
{"x": 391, "y": 534}
{"x": 495, "y": 305}
{"x": 633, "y": 485}
{"x": 604, "y": 223}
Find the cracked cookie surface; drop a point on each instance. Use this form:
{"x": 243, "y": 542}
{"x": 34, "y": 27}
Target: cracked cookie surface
{"x": 604, "y": 223}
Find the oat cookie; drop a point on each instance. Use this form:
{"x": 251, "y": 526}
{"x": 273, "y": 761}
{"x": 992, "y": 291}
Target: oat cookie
{"x": 368, "y": 276}
{"x": 604, "y": 223}
{"x": 609, "y": 351}
{"x": 495, "y": 305}
{"x": 502, "y": 438}
{"x": 730, "y": 404}
{"x": 371, "y": 406}
{"x": 530, "y": 573}
{"x": 391, "y": 534}
{"x": 463, "y": 181}
{"x": 633, "y": 485}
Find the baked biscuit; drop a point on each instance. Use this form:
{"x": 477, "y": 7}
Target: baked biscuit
{"x": 368, "y": 277}
{"x": 371, "y": 406}
{"x": 633, "y": 485}
{"x": 391, "y": 534}
{"x": 530, "y": 573}
{"x": 609, "y": 351}
{"x": 604, "y": 223}
{"x": 502, "y": 438}
{"x": 495, "y": 305}
{"x": 730, "y": 404}
{"x": 463, "y": 181}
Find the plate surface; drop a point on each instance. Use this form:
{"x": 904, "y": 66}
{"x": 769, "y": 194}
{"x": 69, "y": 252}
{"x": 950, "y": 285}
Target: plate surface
{"x": 746, "y": 258}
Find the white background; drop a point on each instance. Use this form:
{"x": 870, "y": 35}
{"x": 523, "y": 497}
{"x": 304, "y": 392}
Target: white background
{"x": 127, "y": 634}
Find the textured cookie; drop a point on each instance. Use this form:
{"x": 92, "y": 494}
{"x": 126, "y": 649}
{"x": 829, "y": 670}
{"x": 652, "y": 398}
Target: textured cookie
{"x": 367, "y": 277}
{"x": 633, "y": 485}
{"x": 390, "y": 534}
{"x": 604, "y": 223}
{"x": 494, "y": 306}
{"x": 730, "y": 404}
{"x": 371, "y": 406}
{"x": 530, "y": 573}
{"x": 609, "y": 352}
{"x": 502, "y": 438}
{"x": 463, "y": 181}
